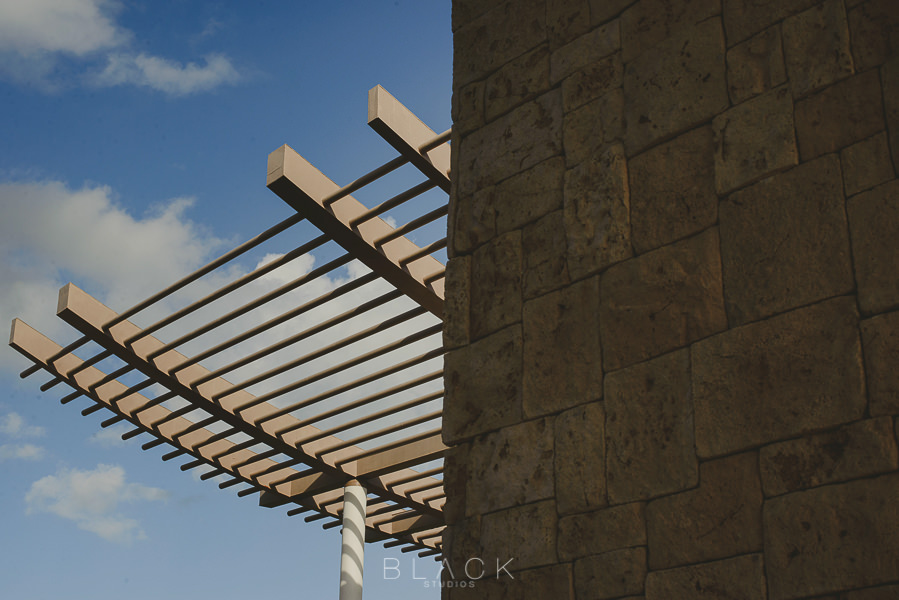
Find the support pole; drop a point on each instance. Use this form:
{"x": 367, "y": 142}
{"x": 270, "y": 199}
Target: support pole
{"x": 352, "y": 548}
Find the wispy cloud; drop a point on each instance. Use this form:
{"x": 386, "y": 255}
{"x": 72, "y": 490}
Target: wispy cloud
{"x": 14, "y": 425}
{"x": 21, "y": 452}
{"x": 168, "y": 76}
{"x": 91, "y": 499}
{"x": 111, "y": 437}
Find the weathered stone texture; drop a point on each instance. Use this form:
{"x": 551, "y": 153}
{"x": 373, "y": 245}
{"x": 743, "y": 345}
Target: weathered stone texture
{"x": 720, "y": 518}
{"x": 472, "y": 220}
{"x": 662, "y": 300}
{"x": 740, "y": 578}
{"x": 592, "y": 81}
{"x": 584, "y": 50}
{"x": 456, "y": 302}
{"x": 597, "y": 225}
{"x": 603, "y": 10}
{"x": 649, "y": 429}
{"x": 610, "y": 575}
{"x": 568, "y": 319}
{"x": 887, "y": 592}
{"x": 756, "y": 65}
{"x": 857, "y": 450}
{"x": 672, "y": 190}
{"x": 745, "y": 18}
{"x": 866, "y": 164}
{"x": 840, "y": 115}
{"x": 527, "y": 196}
{"x": 874, "y": 222}
{"x": 496, "y": 284}
{"x": 526, "y": 533}
{"x": 890, "y": 77}
{"x": 509, "y": 467}
{"x": 590, "y": 129}
{"x": 517, "y": 81}
{"x": 880, "y": 336}
{"x": 811, "y": 548}
{"x": 784, "y": 242}
{"x": 580, "y": 459}
{"x": 601, "y": 531}
{"x": 754, "y": 140}
{"x": 544, "y": 255}
{"x": 783, "y": 377}
{"x": 468, "y": 108}
{"x": 805, "y": 35}
{"x": 511, "y": 144}
{"x": 484, "y": 381}
{"x": 566, "y": 20}
{"x": 677, "y": 85}
{"x": 554, "y": 582}
{"x": 650, "y": 22}
{"x": 874, "y": 28}
{"x": 455, "y": 482}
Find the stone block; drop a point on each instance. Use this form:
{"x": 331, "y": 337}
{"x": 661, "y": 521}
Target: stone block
{"x": 588, "y": 130}
{"x": 649, "y": 429}
{"x": 740, "y": 578}
{"x": 495, "y": 37}
{"x": 472, "y": 220}
{"x": 874, "y": 225}
{"x": 554, "y": 582}
{"x": 584, "y": 50}
{"x": 880, "y": 336}
{"x": 529, "y": 195}
{"x": 580, "y": 459}
{"x": 784, "y": 242}
{"x": 889, "y": 74}
{"x": 839, "y": 116}
{"x": 789, "y": 375}
{"x": 648, "y": 22}
{"x": 832, "y": 538}
{"x": 676, "y": 86}
{"x": 496, "y": 284}
{"x": 544, "y": 248}
{"x": 874, "y": 28}
{"x": 517, "y": 81}
{"x": 816, "y": 47}
{"x": 455, "y": 482}
{"x": 672, "y": 190}
{"x": 483, "y": 386}
{"x": 754, "y": 140}
{"x": 526, "y": 534}
{"x": 597, "y": 225}
{"x": 610, "y": 575}
{"x": 866, "y": 164}
{"x": 466, "y": 11}
{"x": 661, "y": 300}
{"x": 745, "y": 18}
{"x": 602, "y": 11}
{"x": 853, "y": 451}
{"x": 566, "y": 20}
{"x": 562, "y": 358}
{"x": 468, "y": 108}
{"x": 887, "y": 592}
{"x": 720, "y": 518}
{"x": 602, "y": 531}
{"x": 756, "y": 66}
{"x": 456, "y": 302}
{"x": 593, "y": 81}
{"x": 509, "y": 467}
{"x": 511, "y": 144}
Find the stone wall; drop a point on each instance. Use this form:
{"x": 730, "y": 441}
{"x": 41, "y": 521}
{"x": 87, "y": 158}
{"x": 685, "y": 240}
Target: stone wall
{"x": 671, "y": 321}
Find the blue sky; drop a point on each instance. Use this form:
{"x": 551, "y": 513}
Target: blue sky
{"x": 134, "y": 144}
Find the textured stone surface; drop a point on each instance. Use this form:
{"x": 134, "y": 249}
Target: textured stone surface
{"x": 874, "y": 223}
{"x": 584, "y": 50}
{"x": 811, "y": 548}
{"x": 580, "y": 459}
{"x": 839, "y": 115}
{"x": 880, "y": 336}
{"x": 526, "y": 197}
{"x": 784, "y": 242}
{"x": 592, "y": 81}
{"x": 678, "y": 85}
{"x": 874, "y": 28}
{"x": 458, "y": 282}
{"x": 786, "y": 376}
{"x": 649, "y": 22}
{"x": 455, "y": 482}
{"x": 543, "y": 246}
{"x": 496, "y": 284}
{"x": 610, "y": 575}
{"x": 804, "y": 35}
{"x": 566, "y": 20}
{"x": 744, "y": 18}
{"x": 484, "y": 381}
{"x": 740, "y": 578}
{"x": 672, "y": 190}
{"x": 511, "y": 144}
{"x": 468, "y": 108}
{"x": 590, "y": 129}
{"x": 661, "y": 300}
{"x": 754, "y": 140}
{"x": 889, "y": 74}
{"x": 866, "y": 164}
{"x": 600, "y": 531}
{"x": 526, "y": 533}
{"x": 756, "y": 65}
{"x": 554, "y": 582}
{"x": 603, "y": 10}
{"x": 649, "y": 429}
{"x": 720, "y": 518}
{"x": 568, "y": 319}
{"x": 887, "y": 592}
{"x": 517, "y": 81}
{"x": 856, "y": 450}
{"x": 509, "y": 467}
{"x": 596, "y": 210}
{"x": 472, "y": 220}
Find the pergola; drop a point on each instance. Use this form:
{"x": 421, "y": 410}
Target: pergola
{"x": 320, "y": 387}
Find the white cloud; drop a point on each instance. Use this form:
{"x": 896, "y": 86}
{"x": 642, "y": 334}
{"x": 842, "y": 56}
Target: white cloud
{"x": 72, "y": 26}
{"x": 168, "y": 76}
{"x": 21, "y": 451}
{"x": 13, "y": 425}
{"x": 111, "y": 437}
{"x": 92, "y": 499}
